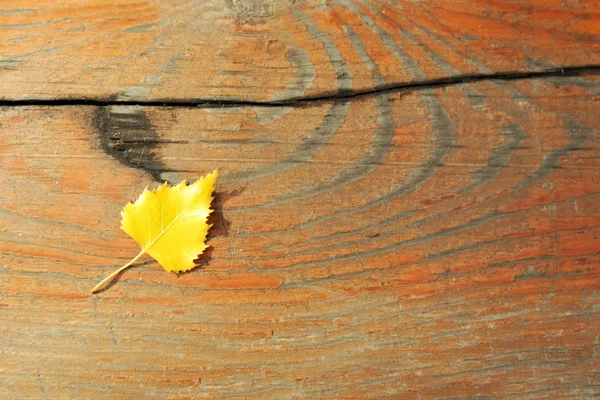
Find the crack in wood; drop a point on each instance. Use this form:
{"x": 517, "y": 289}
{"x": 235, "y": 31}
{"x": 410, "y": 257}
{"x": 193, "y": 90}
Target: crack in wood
{"x": 326, "y": 97}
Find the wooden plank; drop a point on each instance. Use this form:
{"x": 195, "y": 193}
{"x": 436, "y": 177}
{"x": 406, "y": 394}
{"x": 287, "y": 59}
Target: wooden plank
{"x": 433, "y": 244}
{"x": 263, "y": 50}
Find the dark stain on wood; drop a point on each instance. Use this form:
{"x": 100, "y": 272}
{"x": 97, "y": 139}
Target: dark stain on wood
{"x": 127, "y": 134}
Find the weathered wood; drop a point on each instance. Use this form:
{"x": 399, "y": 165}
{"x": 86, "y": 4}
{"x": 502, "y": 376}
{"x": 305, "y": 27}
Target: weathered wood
{"x": 430, "y": 244}
{"x": 269, "y": 50}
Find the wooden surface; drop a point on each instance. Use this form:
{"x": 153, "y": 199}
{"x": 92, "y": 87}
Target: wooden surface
{"x": 437, "y": 240}
{"x": 269, "y": 50}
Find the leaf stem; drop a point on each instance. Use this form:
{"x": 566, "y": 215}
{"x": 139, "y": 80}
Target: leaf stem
{"x": 109, "y": 278}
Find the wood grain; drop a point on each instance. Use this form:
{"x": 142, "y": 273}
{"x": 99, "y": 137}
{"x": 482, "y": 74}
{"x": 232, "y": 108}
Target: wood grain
{"x": 436, "y": 243}
{"x": 272, "y": 50}
{"x": 439, "y": 240}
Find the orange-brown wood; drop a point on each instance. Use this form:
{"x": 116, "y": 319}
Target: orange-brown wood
{"x": 435, "y": 244}
{"x": 269, "y": 50}
{"x": 440, "y": 240}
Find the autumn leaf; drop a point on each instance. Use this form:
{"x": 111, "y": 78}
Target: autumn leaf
{"x": 169, "y": 224}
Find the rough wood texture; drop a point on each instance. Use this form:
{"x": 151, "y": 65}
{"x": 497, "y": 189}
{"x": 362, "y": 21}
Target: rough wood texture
{"x": 441, "y": 243}
{"x": 436, "y": 241}
{"x": 265, "y": 50}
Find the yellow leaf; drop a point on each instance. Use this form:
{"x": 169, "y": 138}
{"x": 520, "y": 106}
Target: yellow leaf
{"x": 169, "y": 224}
